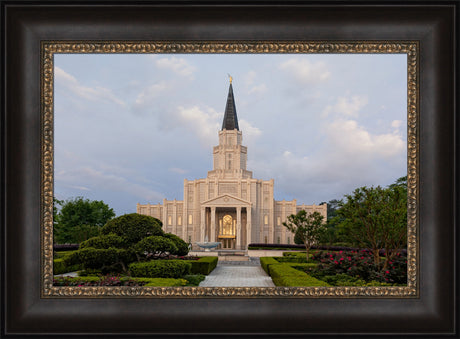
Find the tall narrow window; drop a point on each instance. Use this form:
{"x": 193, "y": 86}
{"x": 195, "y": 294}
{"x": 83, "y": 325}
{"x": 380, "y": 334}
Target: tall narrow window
{"x": 169, "y": 220}
{"x": 266, "y": 239}
{"x": 266, "y": 219}
{"x": 190, "y": 219}
{"x": 179, "y": 220}
{"x": 229, "y": 161}
{"x": 278, "y": 221}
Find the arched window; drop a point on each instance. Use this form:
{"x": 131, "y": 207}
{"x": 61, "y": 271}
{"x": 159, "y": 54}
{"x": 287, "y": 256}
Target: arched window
{"x": 227, "y": 227}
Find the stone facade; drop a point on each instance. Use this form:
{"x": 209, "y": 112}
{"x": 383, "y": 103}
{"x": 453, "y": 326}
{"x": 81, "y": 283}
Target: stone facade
{"x": 229, "y": 205}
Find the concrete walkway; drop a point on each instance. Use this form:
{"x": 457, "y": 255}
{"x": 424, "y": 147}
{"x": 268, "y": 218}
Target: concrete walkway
{"x": 238, "y": 274}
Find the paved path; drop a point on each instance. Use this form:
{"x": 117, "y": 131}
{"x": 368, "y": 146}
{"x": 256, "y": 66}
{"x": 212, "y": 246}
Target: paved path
{"x": 238, "y": 274}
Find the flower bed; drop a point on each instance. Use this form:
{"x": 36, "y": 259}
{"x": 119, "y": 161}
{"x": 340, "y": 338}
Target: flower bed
{"x": 117, "y": 281}
{"x": 359, "y": 265}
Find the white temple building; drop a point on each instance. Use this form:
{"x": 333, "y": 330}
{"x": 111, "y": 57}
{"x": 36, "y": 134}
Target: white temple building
{"x": 229, "y": 205}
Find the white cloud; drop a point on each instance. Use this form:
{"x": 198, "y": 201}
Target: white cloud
{"x": 97, "y": 93}
{"x": 396, "y": 123}
{"x": 152, "y": 91}
{"x": 346, "y": 106}
{"x": 306, "y": 72}
{"x": 259, "y": 89}
{"x": 96, "y": 179}
{"x": 203, "y": 123}
{"x": 177, "y": 65}
{"x": 248, "y": 130}
{"x": 352, "y": 139}
{"x": 178, "y": 170}
{"x": 249, "y": 78}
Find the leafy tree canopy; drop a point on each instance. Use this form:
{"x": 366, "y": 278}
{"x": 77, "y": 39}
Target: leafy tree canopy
{"x": 79, "y": 219}
{"x": 307, "y": 227}
{"x": 376, "y": 218}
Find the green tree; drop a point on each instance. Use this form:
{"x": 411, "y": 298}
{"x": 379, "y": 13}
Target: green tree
{"x": 308, "y": 227}
{"x": 79, "y": 218}
{"x": 126, "y": 239}
{"x": 376, "y": 218}
{"x": 330, "y": 235}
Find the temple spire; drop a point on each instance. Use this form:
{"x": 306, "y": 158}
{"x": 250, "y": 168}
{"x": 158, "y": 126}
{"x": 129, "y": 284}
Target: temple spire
{"x": 230, "y": 119}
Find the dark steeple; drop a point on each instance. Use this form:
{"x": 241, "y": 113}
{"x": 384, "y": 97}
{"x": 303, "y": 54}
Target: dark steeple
{"x": 230, "y": 118}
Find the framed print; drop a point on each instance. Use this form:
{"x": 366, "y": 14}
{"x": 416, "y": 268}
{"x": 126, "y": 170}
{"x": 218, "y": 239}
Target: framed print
{"x": 41, "y": 40}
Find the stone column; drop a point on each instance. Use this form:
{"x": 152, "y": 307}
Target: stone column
{"x": 213, "y": 224}
{"x": 203, "y": 223}
{"x": 174, "y": 218}
{"x": 238, "y": 228}
{"x": 248, "y": 225}
{"x": 165, "y": 208}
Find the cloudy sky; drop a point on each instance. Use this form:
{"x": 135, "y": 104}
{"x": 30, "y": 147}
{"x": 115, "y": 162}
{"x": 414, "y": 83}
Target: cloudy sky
{"x": 130, "y": 128}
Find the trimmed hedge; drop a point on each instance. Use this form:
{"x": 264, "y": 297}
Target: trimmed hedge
{"x": 104, "y": 241}
{"x": 265, "y": 262}
{"x": 60, "y": 266}
{"x": 161, "y": 281}
{"x": 194, "y": 280}
{"x": 205, "y": 265}
{"x": 285, "y": 275}
{"x": 76, "y": 281}
{"x": 160, "y": 269}
{"x": 98, "y": 257}
{"x": 61, "y": 254}
{"x": 293, "y": 259}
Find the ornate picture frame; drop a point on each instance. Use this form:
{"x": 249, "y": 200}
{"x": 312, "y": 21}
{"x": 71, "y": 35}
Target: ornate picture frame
{"x": 425, "y": 306}
{"x": 49, "y": 49}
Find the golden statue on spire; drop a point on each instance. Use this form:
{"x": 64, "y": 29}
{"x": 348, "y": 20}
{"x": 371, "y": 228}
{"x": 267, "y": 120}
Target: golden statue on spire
{"x": 230, "y": 77}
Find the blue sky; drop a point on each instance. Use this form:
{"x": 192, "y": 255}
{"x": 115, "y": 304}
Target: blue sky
{"x": 130, "y": 128}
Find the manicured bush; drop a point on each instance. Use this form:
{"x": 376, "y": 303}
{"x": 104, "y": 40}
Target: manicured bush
{"x": 152, "y": 282}
{"x": 133, "y": 227}
{"x": 104, "y": 241}
{"x": 126, "y": 239}
{"x": 160, "y": 269}
{"x": 204, "y": 265}
{"x": 182, "y": 246}
{"x": 60, "y": 266}
{"x": 285, "y": 275}
{"x": 156, "y": 246}
{"x": 117, "y": 281}
{"x": 61, "y": 254}
{"x": 194, "y": 279}
{"x": 265, "y": 262}
{"x": 293, "y": 259}
{"x": 97, "y": 258}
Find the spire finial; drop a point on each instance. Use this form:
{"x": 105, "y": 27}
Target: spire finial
{"x": 230, "y": 77}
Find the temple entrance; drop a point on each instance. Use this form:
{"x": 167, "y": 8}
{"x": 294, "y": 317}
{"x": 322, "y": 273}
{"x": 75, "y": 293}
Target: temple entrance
{"x": 227, "y": 232}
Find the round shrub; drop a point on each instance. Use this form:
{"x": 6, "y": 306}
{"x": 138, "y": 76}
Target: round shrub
{"x": 182, "y": 246}
{"x": 160, "y": 269}
{"x": 104, "y": 241}
{"x": 133, "y": 227}
{"x": 156, "y": 245}
{"x": 98, "y": 257}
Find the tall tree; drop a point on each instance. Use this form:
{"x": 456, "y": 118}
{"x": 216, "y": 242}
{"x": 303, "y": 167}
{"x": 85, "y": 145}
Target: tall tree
{"x": 376, "y": 218}
{"x": 79, "y": 219}
{"x": 330, "y": 235}
{"x": 308, "y": 227}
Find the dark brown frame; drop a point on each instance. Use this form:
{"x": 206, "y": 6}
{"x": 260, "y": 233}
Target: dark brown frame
{"x": 27, "y": 24}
